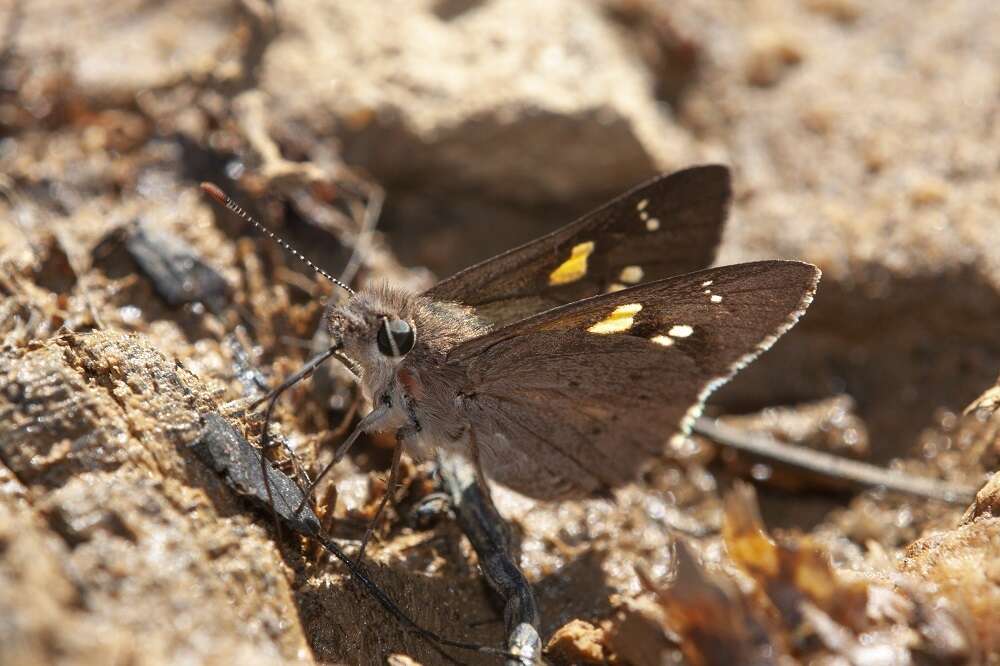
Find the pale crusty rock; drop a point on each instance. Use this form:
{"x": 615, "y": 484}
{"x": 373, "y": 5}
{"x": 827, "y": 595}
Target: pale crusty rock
{"x": 981, "y": 426}
{"x": 987, "y": 501}
{"x": 38, "y": 600}
{"x": 961, "y": 568}
{"x": 527, "y": 102}
{"x": 121, "y": 48}
{"x": 874, "y": 156}
{"x": 116, "y": 539}
{"x": 577, "y": 642}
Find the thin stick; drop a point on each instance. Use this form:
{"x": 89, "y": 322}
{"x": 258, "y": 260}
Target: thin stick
{"x": 860, "y": 473}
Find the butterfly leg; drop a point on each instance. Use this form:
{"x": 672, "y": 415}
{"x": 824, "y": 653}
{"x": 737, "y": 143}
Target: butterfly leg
{"x": 487, "y": 531}
{"x": 390, "y": 491}
{"x": 266, "y": 445}
{"x": 369, "y": 422}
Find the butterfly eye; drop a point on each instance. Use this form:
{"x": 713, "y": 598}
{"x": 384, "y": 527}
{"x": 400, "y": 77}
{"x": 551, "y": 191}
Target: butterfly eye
{"x": 395, "y": 337}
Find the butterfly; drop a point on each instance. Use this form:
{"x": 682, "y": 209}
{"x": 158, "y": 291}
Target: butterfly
{"x": 563, "y": 366}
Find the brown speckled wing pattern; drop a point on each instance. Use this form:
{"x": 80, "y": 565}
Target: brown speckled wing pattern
{"x": 576, "y": 399}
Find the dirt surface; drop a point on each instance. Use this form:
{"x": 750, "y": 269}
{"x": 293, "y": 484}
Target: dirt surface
{"x": 863, "y": 137}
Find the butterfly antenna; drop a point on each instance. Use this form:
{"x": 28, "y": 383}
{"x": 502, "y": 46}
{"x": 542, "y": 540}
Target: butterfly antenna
{"x": 213, "y": 191}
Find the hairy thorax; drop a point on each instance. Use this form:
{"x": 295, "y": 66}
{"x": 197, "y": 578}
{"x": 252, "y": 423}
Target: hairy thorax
{"x": 417, "y": 391}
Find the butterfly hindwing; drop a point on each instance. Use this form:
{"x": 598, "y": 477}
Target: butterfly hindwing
{"x": 578, "y": 398}
{"x": 668, "y": 226}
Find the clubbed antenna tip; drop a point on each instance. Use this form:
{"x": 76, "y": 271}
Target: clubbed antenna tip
{"x": 213, "y": 191}
{"x": 216, "y": 193}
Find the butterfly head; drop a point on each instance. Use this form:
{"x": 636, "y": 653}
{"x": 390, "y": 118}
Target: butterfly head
{"x": 373, "y": 332}
{"x": 375, "y": 328}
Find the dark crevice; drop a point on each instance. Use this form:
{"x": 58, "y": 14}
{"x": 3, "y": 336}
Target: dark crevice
{"x": 920, "y": 344}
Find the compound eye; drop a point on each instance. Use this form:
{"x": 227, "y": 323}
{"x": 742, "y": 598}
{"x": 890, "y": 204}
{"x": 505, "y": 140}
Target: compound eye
{"x": 401, "y": 340}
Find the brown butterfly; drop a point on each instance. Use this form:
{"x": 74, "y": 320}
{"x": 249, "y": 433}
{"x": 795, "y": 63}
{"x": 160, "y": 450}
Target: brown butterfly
{"x": 563, "y": 366}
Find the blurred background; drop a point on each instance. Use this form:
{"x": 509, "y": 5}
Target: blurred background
{"x": 405, "y": 140}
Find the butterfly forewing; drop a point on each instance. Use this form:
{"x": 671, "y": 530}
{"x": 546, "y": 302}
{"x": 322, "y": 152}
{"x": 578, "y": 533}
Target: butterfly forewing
{"x": 577, "y": 399}
{"x": 668, "y": 226}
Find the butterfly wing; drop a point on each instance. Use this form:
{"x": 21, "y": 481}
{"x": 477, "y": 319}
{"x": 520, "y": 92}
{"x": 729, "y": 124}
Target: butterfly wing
{"x": 668, "y": 226}
{"x": 577, "y": 399}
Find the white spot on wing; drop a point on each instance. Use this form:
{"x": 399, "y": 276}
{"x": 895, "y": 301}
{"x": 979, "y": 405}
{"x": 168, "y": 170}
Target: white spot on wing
{"x": 696, "y": 409}
{"x": 652, "y": 224}
{"x": 631, "y": 274}
{"x": 678, "y": 441}
{"x": 663, "y": 340}
{"x": 680, "y": 331}
{"x": 707, "y": 283}
{"x": 641, "y": 206}
{"x": 716, "y": 298}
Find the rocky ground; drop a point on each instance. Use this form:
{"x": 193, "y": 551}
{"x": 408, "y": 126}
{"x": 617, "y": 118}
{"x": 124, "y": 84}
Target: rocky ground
{"x": 863, "y": 137}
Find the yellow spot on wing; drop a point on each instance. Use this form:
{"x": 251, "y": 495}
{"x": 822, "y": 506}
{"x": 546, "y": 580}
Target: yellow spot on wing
{"x": 663, "y": 340}
{"x": 619, "y": 321}
{"x": 652, "y": 224}
{"x": 573, "y": 268}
